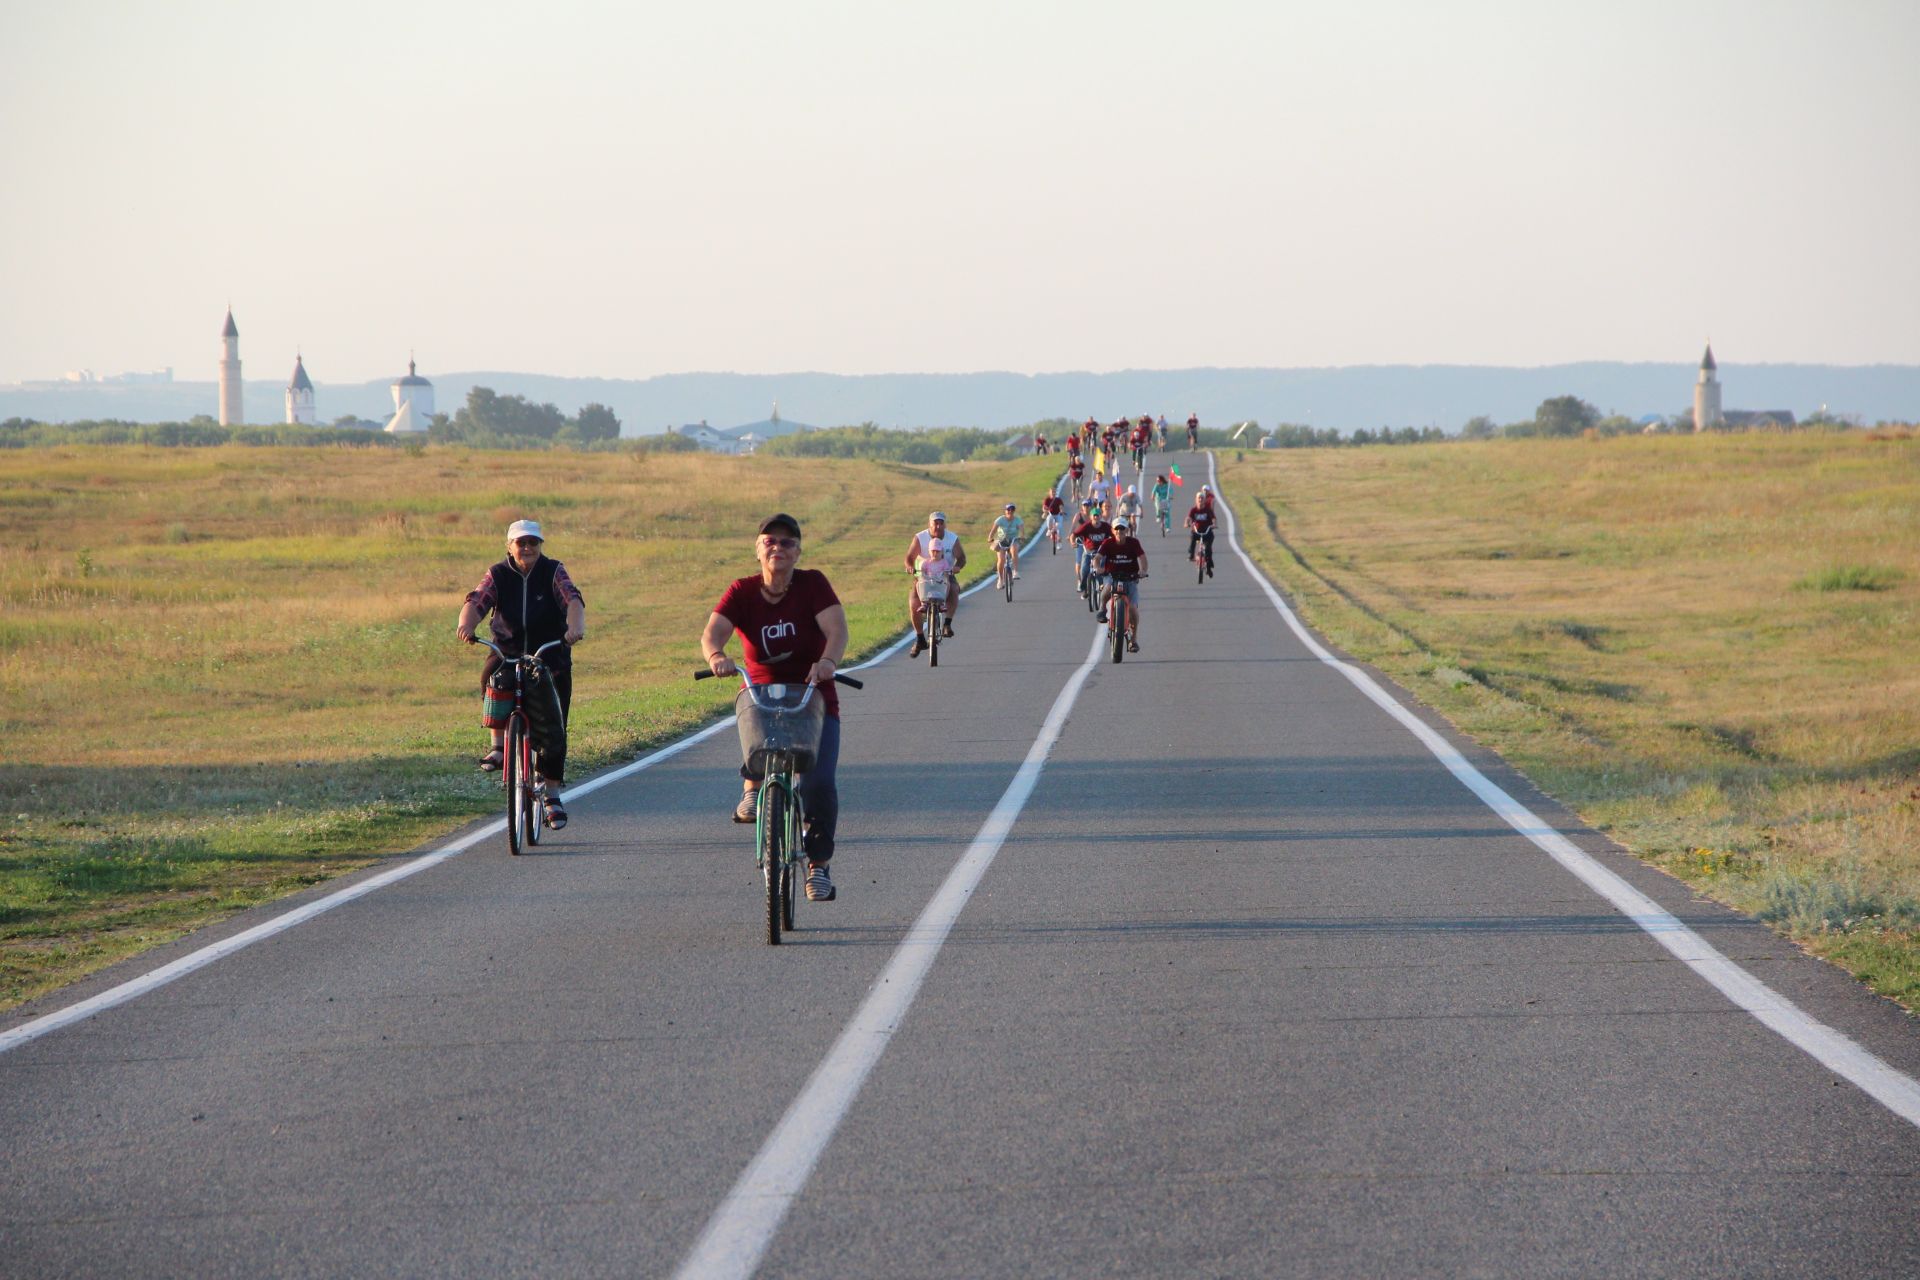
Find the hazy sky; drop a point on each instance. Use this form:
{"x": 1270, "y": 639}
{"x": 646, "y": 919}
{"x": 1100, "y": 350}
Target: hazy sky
{"x": 629, "y": 189}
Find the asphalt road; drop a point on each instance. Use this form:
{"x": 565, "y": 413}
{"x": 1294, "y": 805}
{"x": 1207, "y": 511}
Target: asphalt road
{"x": 1252, "y": 987}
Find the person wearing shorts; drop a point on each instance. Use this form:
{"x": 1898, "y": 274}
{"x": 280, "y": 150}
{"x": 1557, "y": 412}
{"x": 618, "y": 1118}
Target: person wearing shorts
{"x": 1122, "y": 560}
{"x": 1200, "y": 523}
{"x": 934, "y": 546}
{"x": 1005, "y": 538}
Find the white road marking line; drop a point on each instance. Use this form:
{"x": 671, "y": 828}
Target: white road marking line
{"x": 206, "y": 955}
{"x": 744, "y": 1224}
{"x": 1891, "y": 1088}
{"x": 136, "y": 987}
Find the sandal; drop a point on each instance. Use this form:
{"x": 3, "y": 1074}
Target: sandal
{"x": 493, "y": 761}
{"x": 555, "y": 812}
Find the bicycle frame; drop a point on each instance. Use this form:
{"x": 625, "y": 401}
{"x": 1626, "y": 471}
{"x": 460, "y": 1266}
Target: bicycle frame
{"x": 524, "y": 817}
{"x": 777, "y": 792}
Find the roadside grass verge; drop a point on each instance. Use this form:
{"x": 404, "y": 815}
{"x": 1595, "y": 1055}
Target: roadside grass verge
{"x": 227, "y": 674}
{"x": 1704, "y": 646}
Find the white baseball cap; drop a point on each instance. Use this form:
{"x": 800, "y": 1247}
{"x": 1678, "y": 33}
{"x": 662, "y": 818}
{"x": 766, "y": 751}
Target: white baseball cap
{"x": 524, "y": 529}
{"x": 936, "y": 515}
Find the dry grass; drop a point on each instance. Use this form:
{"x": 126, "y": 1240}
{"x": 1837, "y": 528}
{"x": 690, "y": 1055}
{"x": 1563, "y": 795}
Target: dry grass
{"x": 1705, "y": 646}
{"x": 226, "y": 673}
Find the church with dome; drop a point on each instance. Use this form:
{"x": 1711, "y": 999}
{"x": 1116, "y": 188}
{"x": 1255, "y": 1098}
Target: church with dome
{"x": 412, "y": 404}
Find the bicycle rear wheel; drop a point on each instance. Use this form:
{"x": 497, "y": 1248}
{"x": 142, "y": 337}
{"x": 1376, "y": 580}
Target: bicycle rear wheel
{"x": 774, "y": 869}
{"x": 1006, "y": 580}
{"x": 513, "y": 774}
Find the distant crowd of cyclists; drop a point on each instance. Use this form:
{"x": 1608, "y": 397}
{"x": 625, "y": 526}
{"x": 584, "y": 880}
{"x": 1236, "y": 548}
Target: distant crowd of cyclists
{"x": 793, "y": 629}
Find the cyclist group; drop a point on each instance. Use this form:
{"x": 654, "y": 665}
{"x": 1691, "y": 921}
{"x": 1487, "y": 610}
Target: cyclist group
{"x": 791, "y": 624}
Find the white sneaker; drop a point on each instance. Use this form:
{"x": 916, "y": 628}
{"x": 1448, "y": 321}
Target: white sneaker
{"x": 1016, "y": 575}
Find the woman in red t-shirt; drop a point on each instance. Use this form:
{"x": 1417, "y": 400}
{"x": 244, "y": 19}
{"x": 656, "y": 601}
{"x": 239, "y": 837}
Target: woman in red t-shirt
{"x": 792, "y": 628}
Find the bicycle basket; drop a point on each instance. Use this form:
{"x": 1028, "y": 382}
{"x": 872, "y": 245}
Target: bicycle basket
{"x": 933, "y": 586}
{"x": 770, "y": 723}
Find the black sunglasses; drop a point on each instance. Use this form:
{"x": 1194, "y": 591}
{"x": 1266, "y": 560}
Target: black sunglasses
{"x": 784, "y": 544}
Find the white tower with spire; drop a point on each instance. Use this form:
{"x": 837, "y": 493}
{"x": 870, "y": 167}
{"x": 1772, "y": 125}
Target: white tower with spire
{"x": 1706, "y": 395}
{"x": 232, "y": 413}
{"x": 300, "y": 395}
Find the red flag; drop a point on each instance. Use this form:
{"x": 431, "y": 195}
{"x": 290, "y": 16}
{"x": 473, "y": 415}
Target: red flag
{"x": 1173, "y": 474}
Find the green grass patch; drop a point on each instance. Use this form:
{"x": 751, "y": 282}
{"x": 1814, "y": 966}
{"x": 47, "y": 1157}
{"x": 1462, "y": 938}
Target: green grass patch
{"x": 1611, "y": 617}
{"x": 1850, "y": 577}
{"x": 205, "y": 715}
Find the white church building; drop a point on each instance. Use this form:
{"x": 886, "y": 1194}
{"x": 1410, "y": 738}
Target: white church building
{"x": 412, "y": 404}
{"x": 300, "y": 395}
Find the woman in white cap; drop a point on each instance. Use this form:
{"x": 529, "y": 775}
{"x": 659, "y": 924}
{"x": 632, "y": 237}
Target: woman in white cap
{"x": 533, "y": 601}
{"x": 934, "y": 544}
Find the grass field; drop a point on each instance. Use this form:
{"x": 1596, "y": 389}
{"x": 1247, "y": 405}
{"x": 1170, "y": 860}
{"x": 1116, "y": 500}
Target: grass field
{"x": 227, "y": 673}
{"x": 1708, "y": 647}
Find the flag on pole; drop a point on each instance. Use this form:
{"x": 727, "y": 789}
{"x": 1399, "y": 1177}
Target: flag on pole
{"x": 1173, "y": 474}
{"x": 1099, "y": 462}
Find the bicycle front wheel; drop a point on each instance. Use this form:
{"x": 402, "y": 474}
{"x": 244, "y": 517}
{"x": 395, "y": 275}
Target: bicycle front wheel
{"x": 774, "y": 868}
{"x": 513, "y": 772}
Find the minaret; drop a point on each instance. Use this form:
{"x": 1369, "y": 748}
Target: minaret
{"x": 300, "y": 395}
{"x": 231, "y": 412}
{"x": 1706, "y": 395}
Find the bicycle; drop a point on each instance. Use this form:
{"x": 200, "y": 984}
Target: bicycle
{"x": 1119, "y": 631}
{"x": 1165, "y": 511}
{"x": 1003, "y": 570}
{"x": 1202, "y": 554}
{"x": 525, "y": 810}
{"x": 1051, "y": 527}
{"x": 933, "y": 589}
{"x": 779, "y": 739}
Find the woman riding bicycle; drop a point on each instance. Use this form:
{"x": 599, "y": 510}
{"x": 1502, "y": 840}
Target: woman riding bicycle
{"x": 533, "y": 601}
{"x": 1052, "y": 507}
{"x": 1162, "y": 502}
{"x": 792, "y": 630}
{"x": 1005, "y": 540}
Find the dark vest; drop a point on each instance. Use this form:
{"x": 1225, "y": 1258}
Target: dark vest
{"x": 529, "y": 608}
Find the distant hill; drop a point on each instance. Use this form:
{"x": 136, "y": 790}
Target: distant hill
{"x": 1347, "y": 398}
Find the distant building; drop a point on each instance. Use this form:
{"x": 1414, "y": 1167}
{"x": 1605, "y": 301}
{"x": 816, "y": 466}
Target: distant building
{"x": 412, "y": 403}
{"x": 1709, "y": 416}
{"x": 1706, "y": 394}
{"x": 709, "y": 439}
{"x": 232, "y": 407}
{"x": 300, "y": 395}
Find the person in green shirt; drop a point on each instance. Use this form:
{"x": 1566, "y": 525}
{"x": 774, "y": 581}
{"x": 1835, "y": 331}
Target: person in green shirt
{"x": 1163, "y": 502}
{"x": 1005, "y": 538}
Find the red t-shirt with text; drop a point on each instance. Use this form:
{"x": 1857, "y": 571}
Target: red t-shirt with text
{"x": 1122, "y": 555}
{"x": 782, "y": 641}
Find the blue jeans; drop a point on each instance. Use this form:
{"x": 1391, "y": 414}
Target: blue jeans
{"x": 820, "y": 796}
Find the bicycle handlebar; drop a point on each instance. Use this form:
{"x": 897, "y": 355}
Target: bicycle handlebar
{"x": 504, "y": 658}
{"x": 703, "y": 673}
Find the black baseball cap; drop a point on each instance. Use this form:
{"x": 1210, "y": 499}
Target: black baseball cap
{"x": 780, "y": 520}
